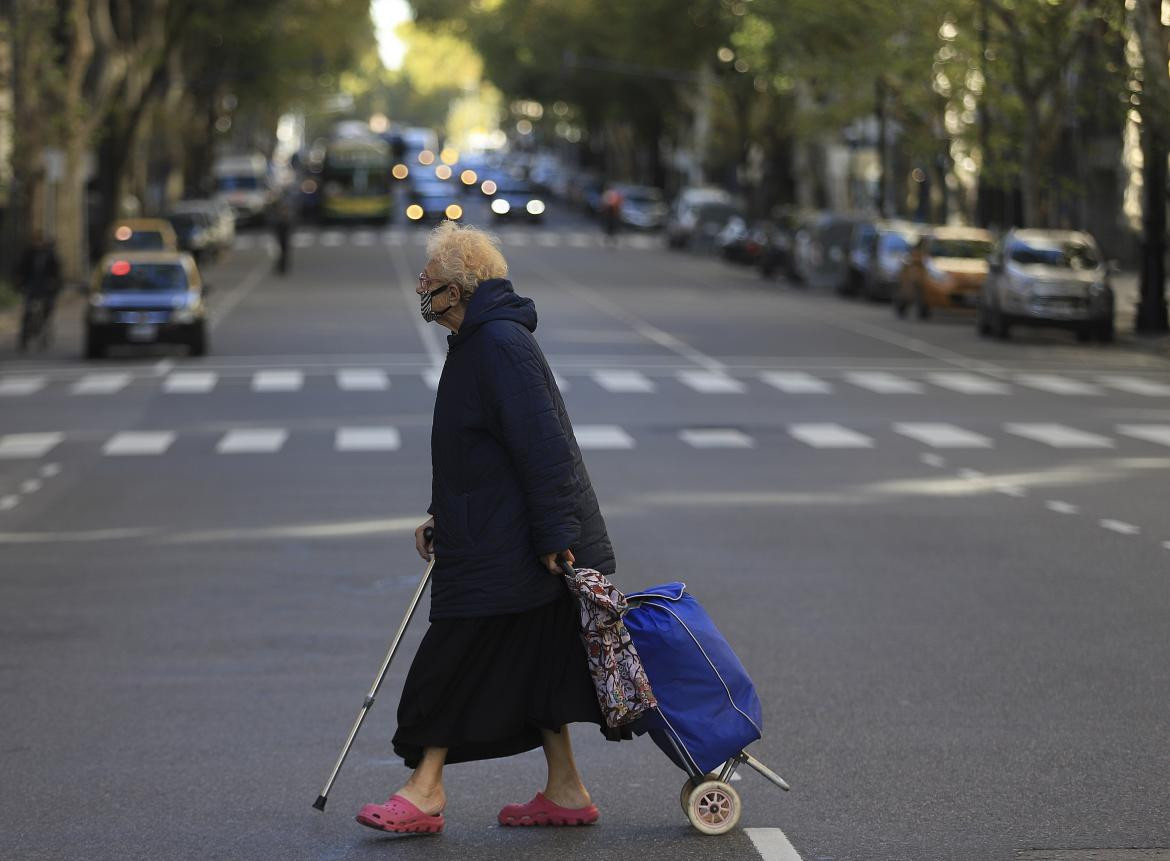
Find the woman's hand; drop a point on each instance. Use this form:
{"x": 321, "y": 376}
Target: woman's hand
{"x": 425, "y": 548}
{"x": 552, "y": 560}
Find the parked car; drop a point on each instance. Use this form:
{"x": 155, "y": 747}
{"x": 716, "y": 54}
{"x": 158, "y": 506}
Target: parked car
{"x": 859, "y": 257}
{"x": 821, "y": 249}
{"x": 890, "y": 246}
{"x": 143, "y": 234}
{"x": 776, "y": 256}
{"x": 945, "y": 269}
{"x": 195, "y": 232}
{"x": 643, "y": 207}
{"x": 146, "y": 297}
{"x": 683, "y": 221}
{"x": 743, "y": 243}
{"x": 242, "y": 182}
{"x": 1048, "y": 278}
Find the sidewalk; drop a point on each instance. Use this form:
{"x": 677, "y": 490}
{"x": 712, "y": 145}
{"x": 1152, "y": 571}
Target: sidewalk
{"x": 10, "y": 318}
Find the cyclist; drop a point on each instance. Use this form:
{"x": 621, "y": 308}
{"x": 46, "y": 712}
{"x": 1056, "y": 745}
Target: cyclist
{"x": 38, "y": 278}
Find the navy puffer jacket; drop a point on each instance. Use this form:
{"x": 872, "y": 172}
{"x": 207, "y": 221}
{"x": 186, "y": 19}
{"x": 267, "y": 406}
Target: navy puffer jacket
{"x": 508, "y": 484}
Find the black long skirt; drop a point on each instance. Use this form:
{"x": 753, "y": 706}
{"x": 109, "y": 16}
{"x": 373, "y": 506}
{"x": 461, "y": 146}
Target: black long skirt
{"x": 485, "y": 687}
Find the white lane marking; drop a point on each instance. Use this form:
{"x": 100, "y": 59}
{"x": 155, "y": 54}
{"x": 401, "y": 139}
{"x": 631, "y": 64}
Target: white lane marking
{"x": 1137, "y": 386}
{"x": 303, "y": 239}
{"x": 50, "y": 470}
{"x": 796, "y": 383}
{"x": 331, "y": 239}
{"x": 367, "y": 439}
{"x": 639, "y": 242}
{"x": 363, "y": 238}
{"x": 277, "y": 381}
{"x": 1119, "y": 526}
{"x": 716, "y": 438}
{"x": 7, "y": 503}
{"x": 190, "y": 382}
{"x": 931, "y": 459}
{"x": 1058, "y": 436}
{"x": 828, "y": 435}
{"x": 1012, "y": 490}
{"x": 1159, "y": 434}
{"x": 561, "y": 382}
{"x": 1057, "y": 385}
{"x": 431, "y": 378}
{"x": 623, "y": 382}
{"x": 139, "y": 443}
{"x": 602, "y": 437}
{"x": 31, "y": 485}
{"x": 580, "y": 240}
{"x": 28, "y": 445}
{"x": 252, "y": 441}
{"x": 711, "y": 383}
{"x": 163, "y": 367}
{"x": 548, "y": 240}
{"x": 221, "y": 306}
{"x": 517, "y": 239}
{"x": 942, "y": 435}
{"x": 969, "y": 384}
{"x": 884, "y": 383}
{"x": 100, "y": 384}
{"x": 363, "y": 380}
{"x": 1166, "y": 545}
{"x": 772, "y": 844}
{"x": 392, "y": 238}
{"x": 970, "y": 474}
{"x": 17, "y": 386}
{"x": 1062, "y": 507}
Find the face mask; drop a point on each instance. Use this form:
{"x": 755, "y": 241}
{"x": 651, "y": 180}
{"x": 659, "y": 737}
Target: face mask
{"x": 425, "y": 305}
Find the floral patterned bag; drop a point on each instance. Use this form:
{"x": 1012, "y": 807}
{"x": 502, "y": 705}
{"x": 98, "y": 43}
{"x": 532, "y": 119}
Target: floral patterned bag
{"x": 622, "y": 687}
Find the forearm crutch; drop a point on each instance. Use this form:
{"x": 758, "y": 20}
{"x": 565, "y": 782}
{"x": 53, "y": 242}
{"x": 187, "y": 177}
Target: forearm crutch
{"x": 369, "y": 700}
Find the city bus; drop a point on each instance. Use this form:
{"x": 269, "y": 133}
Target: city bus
{"x": 355, "y": 180}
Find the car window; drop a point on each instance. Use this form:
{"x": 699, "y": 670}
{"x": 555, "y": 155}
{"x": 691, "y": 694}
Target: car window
{"x": 1063, "y": 255}
{"x": 185, "y": 220}
{"x": 238, "y": 183}
{"x": 971, "y": 249}
{"x": 142, "y": 240}
{"x": 894, "y": 242}
{"x": 147, "y": 277}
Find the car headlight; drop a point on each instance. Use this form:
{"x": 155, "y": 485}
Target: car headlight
{"x": 535, "y": 207}
{"x": 185, "y": 315}
{"x": 501, "y": 206}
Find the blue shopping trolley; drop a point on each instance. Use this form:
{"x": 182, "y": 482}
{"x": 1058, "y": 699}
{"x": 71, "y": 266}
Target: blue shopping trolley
{"x": 708, "y": 711}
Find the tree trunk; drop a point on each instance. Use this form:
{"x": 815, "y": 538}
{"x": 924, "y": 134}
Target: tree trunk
{"x": 1155, "y": 134}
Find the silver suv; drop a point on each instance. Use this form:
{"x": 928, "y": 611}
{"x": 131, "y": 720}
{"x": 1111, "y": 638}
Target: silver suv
{"x": 1047, "y": 278}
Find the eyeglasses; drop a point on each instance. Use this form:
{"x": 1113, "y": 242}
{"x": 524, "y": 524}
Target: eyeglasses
{"x": 425, "y": 281}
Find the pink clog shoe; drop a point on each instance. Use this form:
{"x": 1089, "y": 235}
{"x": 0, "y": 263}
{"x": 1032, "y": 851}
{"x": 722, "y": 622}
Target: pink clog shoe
{"x": 401, "y": 816}
{"x": 541, "y": 811}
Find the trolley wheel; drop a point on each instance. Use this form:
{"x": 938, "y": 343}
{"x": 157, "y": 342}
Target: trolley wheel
{"x": 685, "y": 794}
{"x": 713, "y": 807}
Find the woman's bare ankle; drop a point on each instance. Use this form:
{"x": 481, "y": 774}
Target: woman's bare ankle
{"x": 568, "y": 793}
{"x": 429, "y": 799}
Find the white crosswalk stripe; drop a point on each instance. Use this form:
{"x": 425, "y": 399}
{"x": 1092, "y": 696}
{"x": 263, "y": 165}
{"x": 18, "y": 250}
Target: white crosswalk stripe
{"x": 367, "y": 439}
{"x": 716, "y": 438}
{"x": 941, "y": 435}
{"x": 363, "y": 238}
{"x": 1137, "y": 386}
{"x": 829, "y": 435}
{"x": 884, "y": 383}
{"x": 548, "y": 240}
{"x": 581, "y": 240}
{"x": 1058, "y": 436}
{"x": 190, "y": 382}
{"x": 363, "y": 380}
{"x": 796, "y": 383}
{"x": 711, "y": 383}
{"x": 602, "y": 437}
{"x": 969, "y": 384}
{"x": 252, "y": 441}
{"x": 1159, "y": 434}
{"x": 623, "y": 382}
{"x": 304, "y": 240}
{"x": 17, "y": 386}
{"x": 392, "y": 238}
{"x": 331, "y": 239}
{"x": 100, "y": 384}
{"x": 431, "y": 378}
{"x": 28, "y": 445}
{"x": 1057, "y": 384}
{"x": 277, "y": 381}
{"x": 134, "y": 443}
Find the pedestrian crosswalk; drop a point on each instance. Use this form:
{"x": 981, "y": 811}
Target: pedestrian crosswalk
{"x": 613, "y": 380}
{"x": 825, "y": 436}
{"x": 412, "y": 236}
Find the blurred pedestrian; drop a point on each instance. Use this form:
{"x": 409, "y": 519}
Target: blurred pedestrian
{"x": 611, "y": 213}
{"x": 501, "y": 669}
{"x": 38, "y": 279}
{"x": 282, "y": 214}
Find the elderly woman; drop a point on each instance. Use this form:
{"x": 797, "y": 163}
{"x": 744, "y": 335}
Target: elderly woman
{"x": 501, "y": 670}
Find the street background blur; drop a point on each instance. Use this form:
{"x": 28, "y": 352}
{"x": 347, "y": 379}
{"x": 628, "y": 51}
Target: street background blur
{"x": 859, "y": 311}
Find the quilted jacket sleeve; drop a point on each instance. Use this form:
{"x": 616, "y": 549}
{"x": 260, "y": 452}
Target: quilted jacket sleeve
{"x": 529, "y": 425}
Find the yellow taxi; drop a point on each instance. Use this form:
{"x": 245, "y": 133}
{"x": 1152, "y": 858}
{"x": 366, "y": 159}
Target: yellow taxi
{"x": 143, "y": 234}
{"x": 146, "y": 297}
{"x": 945, "y": 269}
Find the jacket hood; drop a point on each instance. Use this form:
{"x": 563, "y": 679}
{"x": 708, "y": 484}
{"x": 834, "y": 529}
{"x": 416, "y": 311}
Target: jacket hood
{"x": 494, "y": 299}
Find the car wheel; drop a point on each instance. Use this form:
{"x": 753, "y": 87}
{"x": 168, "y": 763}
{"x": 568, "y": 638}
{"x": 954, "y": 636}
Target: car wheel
{"x": 94, "y": 347}
{"x": 1084, "y": 333}
{"x": 197, "y": 344}
{"x": 1106, "y": 331}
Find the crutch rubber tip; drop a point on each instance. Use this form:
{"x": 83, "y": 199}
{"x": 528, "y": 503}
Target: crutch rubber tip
{"x": 320, "y": 802}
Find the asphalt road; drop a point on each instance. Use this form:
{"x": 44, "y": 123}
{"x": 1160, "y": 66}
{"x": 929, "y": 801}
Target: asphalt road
{"x": 944, "y": 561}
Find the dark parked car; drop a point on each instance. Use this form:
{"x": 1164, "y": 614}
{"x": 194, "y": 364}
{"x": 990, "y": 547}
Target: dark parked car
{"x": 890, "y": 245}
